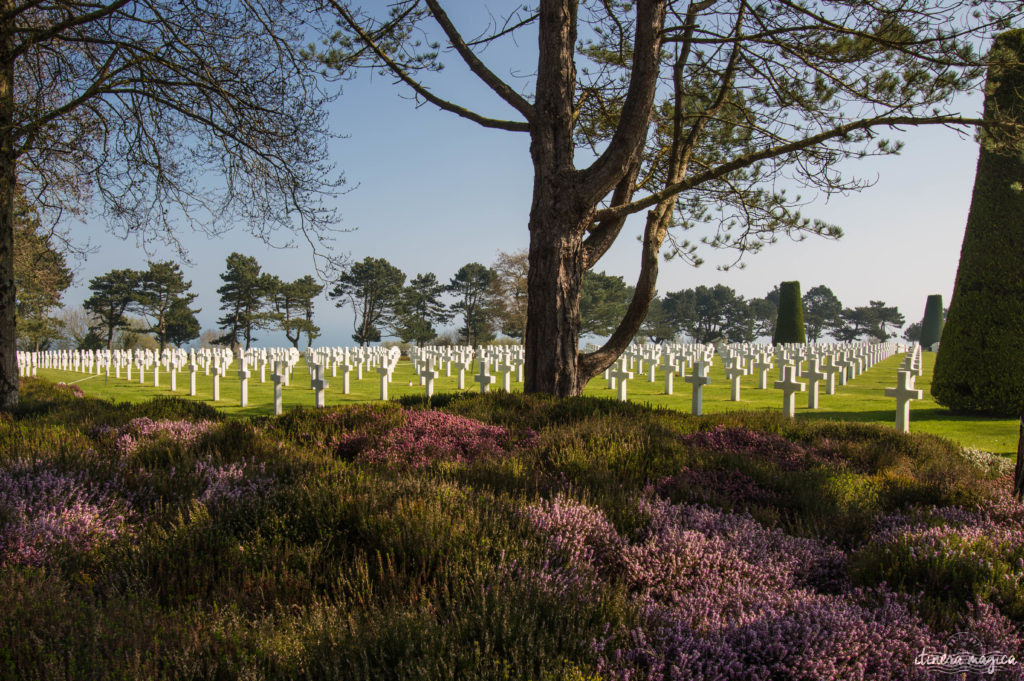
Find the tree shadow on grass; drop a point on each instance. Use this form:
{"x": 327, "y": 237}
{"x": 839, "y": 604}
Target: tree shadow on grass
{"x": 890, "y": 415}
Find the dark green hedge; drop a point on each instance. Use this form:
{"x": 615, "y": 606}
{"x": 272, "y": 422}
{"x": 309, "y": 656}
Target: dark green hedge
{"x": 980, "y": 364}
{"x": 789, "y": 326}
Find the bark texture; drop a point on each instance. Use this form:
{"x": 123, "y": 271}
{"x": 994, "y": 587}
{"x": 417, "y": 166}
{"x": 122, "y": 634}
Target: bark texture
{"x": 8, "y": 328}
{"x": 565, "y": 200}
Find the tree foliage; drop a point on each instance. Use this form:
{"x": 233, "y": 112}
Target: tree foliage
{"x": 372, "y": 287}
{"x": 293, "y": 307}
{"x": 710, "y": 313}
{"x": 510, "y": 292}
{"x": 244, "y": 299}
{"x": 603, "y": 301}
{"x": 41, "y": 275}
{"x": 164, "y": 297}
{"x": 822, "y": 311}
{"x": 470, "y": 286}
{"x": 933, "y": 322}
{"x": 870, "y": 322}
{"x": 114, "y": 294}
{"x": 789, "y": 325}
{"x": 420, "y": 308}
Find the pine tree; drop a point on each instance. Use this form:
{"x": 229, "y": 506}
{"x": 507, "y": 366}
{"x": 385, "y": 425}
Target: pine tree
{"x": 372, "y": 287}
{"x": 243, "y": 299}
{"x": 114, "y": 294}
{"x": 161, "y": 288}
{"x": 420, "y": 307}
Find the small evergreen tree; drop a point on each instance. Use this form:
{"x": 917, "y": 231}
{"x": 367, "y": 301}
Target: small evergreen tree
{"x": 789, "y": 327}
{"x": 933, "y": 322}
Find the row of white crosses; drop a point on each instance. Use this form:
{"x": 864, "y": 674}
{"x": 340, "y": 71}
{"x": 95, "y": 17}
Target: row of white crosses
{"x": 827, "y": 365}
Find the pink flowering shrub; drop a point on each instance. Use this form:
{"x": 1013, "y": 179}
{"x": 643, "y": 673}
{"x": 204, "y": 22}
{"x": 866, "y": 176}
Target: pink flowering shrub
{"x": 231, "y": 482}
{"x": 715, "y": 485}
{"x": 73, "y": 390}
{"x": 45, "y": 514}
{"x": 951, "y": 554}
{"x": 425, "y": 437}
{"x": 128, "y": 438}
{"x": 721, "y": 596}
{"x": 739, "y": 440}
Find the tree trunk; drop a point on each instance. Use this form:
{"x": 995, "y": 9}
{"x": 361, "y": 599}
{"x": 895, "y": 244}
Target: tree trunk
{"x": 1018, "y": 473}
{"x": 554, "y": 281}
{"x": 8, "y": 177}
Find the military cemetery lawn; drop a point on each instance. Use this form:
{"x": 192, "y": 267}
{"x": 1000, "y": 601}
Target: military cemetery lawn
{"x": 861, "y": 400}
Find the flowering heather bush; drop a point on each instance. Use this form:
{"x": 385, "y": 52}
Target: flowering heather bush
{"x": 715, "y": 486}
{"x": 429, "y": 436}
{"x": 45, "y": 514}
{"x": 989, "y": 463}
{"x": 231, "y": 482}
{"x": 724, "y": 597}
{"x": 128, "y": 438}
{"x": 73, "y": 390}
{"x": 774, "y": 448}
{"x": 952, "y": 553}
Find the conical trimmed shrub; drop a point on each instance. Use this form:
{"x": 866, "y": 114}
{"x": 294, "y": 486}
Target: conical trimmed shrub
{"x": 931, "y": 325}
{"x": 980, "y": 364}
{"x": 789, "y": 326}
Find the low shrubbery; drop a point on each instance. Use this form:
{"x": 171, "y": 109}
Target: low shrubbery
{"x": 490, "y": 537}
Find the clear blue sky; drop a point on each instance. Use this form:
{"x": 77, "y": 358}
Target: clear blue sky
{"x": 431, "y": 192}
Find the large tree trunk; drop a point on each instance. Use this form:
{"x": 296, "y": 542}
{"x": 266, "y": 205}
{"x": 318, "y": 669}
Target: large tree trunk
{"x": 8, "y": 327}
{"x": 553, "y": 304}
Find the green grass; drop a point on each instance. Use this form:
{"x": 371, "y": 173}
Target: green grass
{"x": 861, "y": 400}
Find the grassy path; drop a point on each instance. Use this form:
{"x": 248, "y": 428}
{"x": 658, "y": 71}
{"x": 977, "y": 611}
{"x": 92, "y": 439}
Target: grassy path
{"x": 860, "y": 400}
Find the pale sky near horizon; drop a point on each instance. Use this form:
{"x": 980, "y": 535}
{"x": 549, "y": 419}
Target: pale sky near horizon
{"x": 431, "y": 192}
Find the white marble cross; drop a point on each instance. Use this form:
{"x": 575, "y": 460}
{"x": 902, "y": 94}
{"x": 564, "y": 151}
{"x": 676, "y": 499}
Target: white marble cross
{"x": 484, "y": 378}
{"x": 789, "y": 387}
{"x": 506, "y": 370}
{"x": 278, "y": 378}
{"x": 668, "y": 360}
{"x": 243, "y": 378}
{"x": 904, "y": 393}
{"x": 621, "y": 376}
{"x": 735, "y": 372}
{"x": 346, "y": 370}
{"x": 461, "y": 366}
{"x": 427, "y": 376}
{"x": 814, "y": 375}
{"x": 385, "y": 375}
{"x": 699, "y": 379}
{"x": 762, "y": 366}
{"x": 320, "y": 386}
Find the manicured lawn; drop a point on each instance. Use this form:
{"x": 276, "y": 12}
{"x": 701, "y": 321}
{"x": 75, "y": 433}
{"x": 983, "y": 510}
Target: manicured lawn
{"x": 861, "y": 400}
